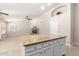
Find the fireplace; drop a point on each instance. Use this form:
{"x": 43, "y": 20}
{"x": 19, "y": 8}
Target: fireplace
{"x": 35, "y": 30}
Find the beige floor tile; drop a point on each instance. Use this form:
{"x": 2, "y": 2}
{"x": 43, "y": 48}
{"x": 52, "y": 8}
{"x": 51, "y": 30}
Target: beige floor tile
{"x": 72, "y": 51}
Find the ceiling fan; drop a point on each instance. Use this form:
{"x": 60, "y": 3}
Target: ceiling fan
{"x": 2, "y": 13}
{"x": 28, "y": 18}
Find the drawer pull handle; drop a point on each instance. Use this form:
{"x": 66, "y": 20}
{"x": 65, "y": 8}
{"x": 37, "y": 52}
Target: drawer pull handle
{"x": 48, "y": 43}
{"x": 41, "y": 53}
{"x": 35, "y": 47}
{"x": 44, "y": 51}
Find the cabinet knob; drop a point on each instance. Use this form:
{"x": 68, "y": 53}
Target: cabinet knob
{"x": 35, "y": 48}
{"x": 48, "y": 43}
{"x": 41, "y": 53}
{"x": 44, "y": 51}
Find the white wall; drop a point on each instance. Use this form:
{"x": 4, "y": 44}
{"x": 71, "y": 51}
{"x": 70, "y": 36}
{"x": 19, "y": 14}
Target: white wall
{"x": 18, "y": 28}
{"x": 43, "y": 23}
{"x": 76, "y": 23}
{"x": 54, "y": 25}
{"x": 2, "y": 29}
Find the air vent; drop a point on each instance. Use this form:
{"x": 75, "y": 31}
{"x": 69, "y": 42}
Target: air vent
{"x": 2, "y": 13}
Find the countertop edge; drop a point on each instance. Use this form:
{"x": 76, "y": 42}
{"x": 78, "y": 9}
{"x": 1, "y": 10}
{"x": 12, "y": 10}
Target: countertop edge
{"x": 43, "y": 41}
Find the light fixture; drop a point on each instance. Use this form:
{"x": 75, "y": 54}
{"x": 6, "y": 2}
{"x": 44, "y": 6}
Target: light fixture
{"x": 42, "y": 7}
{"x": 28, "y": 18}
{"x": 2, "y": 13}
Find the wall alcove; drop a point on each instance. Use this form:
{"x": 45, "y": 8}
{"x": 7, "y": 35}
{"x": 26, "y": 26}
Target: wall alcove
{"x": 58, "y": 10}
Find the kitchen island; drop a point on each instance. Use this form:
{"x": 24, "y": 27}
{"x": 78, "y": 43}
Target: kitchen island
{"x": 44, "y": 45}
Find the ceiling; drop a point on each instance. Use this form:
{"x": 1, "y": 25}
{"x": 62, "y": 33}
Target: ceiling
{"x": 21, "y": 10}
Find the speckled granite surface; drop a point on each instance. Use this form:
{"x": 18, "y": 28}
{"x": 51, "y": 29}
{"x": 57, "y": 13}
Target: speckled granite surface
{"x": 31, "y": 39}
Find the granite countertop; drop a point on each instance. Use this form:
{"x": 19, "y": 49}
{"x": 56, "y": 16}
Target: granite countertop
{"x": 32, "y": 39}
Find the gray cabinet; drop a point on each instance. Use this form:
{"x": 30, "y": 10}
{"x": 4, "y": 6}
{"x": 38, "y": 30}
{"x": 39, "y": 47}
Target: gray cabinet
{"x": 62, "y": 46}
{"x": 42, "y": 52}
{"x": 32, "y": 48}
{"x": 50, "y": 48}
{"x": 57, "y": 50}
{"x": 48, "y": 51}
{"x": 35, "y": 53}
{"x": 59, "y": 47}
{"x": 56, "y": 47}
{"x": 62, "y": 49}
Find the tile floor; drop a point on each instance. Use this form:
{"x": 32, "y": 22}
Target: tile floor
{"x": 72, "y": 51}
{"x": 11, "y": 46}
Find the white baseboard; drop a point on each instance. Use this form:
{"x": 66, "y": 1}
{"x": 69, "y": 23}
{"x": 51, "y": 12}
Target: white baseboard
{"x": 76, "y": 43}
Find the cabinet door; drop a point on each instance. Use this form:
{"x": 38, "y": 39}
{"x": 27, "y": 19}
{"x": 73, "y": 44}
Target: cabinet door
{"x": 48, "y": 51}
{"x": 32, "y": 48}
{"x": 57, "y": 50}
{"x": 62, "y": 46}
{"x": 35, "y": 53}
{"x": 62, "y": 49}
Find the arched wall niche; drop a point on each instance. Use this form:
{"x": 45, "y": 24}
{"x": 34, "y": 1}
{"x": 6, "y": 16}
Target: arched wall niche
{"x": 59, "y": 10}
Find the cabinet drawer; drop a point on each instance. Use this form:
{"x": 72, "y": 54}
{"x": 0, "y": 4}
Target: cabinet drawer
{"x": 48, "y": 51}
{"x": 55, "y": 41}
{"x": 61, "y": 41}
{"x": 46, "y": 44}
{"x": 35, "y": 53}
{"x": 32, "y": 48}
{"x": 57, "y": 50}
{"x": 62, "y": 49}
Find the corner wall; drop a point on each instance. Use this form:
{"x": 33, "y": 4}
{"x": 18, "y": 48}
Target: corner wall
{"x": 76, "y": 24}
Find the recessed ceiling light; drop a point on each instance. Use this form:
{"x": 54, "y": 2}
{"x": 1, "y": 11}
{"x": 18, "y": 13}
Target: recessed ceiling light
{"x": 42, "y": 7}
{"x": 49, "y": 4}
{"x": 35, "y": 3}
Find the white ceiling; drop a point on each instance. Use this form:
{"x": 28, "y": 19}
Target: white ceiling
{"x": 21, "y": 10}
